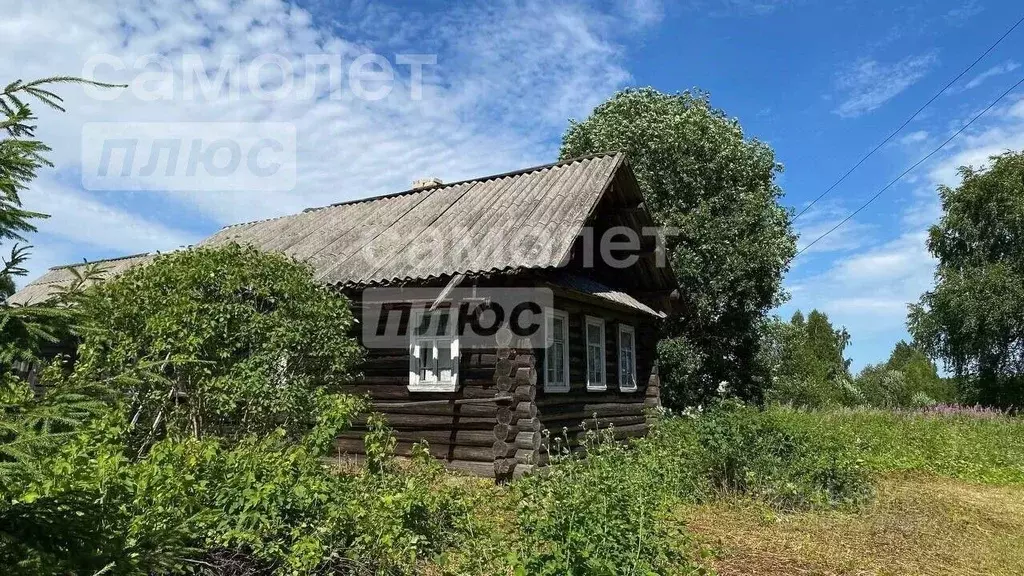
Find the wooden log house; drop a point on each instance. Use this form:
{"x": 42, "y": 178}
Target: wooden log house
{"x": 484, "y": 409}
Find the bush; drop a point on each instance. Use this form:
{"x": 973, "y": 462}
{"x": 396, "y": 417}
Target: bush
{"x": 234, "y": 341}
{"x": 262, "y": 505}
{"x": 754, "y": 453}
{"x": 609, "y": 513}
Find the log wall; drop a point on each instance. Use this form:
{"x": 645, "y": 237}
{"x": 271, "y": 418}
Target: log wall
{"x": 566, "y": 416}
{"x": 500, "y": 422}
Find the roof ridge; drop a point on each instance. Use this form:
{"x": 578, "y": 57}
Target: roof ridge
{"x": 388, "y": 195}
{"x": 102, "y": 260}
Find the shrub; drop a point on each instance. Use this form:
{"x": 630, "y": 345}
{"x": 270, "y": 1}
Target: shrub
{"x": 608, "y": 513}
{"x": 236, "y": 340}
{"x": 266, "y": 505}
{"x": 751, "y": 452}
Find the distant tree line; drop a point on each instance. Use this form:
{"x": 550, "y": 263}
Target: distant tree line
{"x": 807, "y": 361}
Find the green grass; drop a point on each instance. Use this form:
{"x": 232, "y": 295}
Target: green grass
{"x": 741, "y": 491}
{"x": 988, "y": 450}
{"x": 918, "y": 524}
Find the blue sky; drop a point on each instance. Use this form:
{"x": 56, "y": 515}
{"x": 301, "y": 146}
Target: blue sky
{"x": 822, "y": 82}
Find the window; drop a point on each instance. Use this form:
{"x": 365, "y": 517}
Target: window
{"x": 433, "y": 352}
{"x": 595, "y": 354}
{"x": 627, "y": 358}
{"x": 556, "y": 358}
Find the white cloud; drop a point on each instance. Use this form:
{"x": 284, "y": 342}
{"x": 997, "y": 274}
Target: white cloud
{"x": 914, "y": 137}
{"x": 998, "y": 70}
{"x": 958, "y": 16}
{"x": 868, "y": 83}
{"x": 507, "y": 78}
{"x": 822, "y": 218}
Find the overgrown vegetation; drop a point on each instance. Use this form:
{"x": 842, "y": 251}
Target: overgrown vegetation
{"x": 237, "y": 342}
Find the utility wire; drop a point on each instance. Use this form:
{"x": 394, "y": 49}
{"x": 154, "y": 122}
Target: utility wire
{"x": 911, "y": 169}
{"x": 909, "y": 120}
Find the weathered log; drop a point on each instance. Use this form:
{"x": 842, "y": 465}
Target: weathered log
{"x": 441, "y": 451}
{"x": 526, "y": 376}
{"x": 503, "y": 383}
{"x": 490, "y": 409}
{"x": 429, "y": 421}
{"x": 503, "y": 468}
{"x": 502, "y": 432}
{"x": 522, "y": 470}
{"x": 529, "y": 425}
{"x": 401, "y": 392}
{"x": 504, "y": 415}
{"x": 528, "y": 440}
{"x": 526, "y": 410}
{"x": 577, "y": 396}
{"x": 440, "y": 437}
{"x": 485, "y": 469}
{"x": 525, "y": 359}
{"x": 578, "y": 424}
{"x": 525, "y": 456}
{"x": 502, "y": 367}
{"x": 525, "y": 393}
{"x": 502, "y": 450}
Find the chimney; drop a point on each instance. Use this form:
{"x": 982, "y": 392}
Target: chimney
{"x": 425, "y": 183}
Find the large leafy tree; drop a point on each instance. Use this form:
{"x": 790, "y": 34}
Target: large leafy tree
{"x": 974, "y": 317}
{"x": 700, "y": 175}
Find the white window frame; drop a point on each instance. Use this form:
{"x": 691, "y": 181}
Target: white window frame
{"x": 627, "y": 329}
{"x": 564, "y": 385}
{"x": 415, "y": 352}
{"x": 603, "y": 384}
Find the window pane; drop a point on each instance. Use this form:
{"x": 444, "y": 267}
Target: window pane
{"x": 596, "y": 369}
{"x": 426, "y": 359}
{"x": 557, "y": 330}
{"x": 593, "y": 334}
{"x": 444, "y": 360}
{"x": 556, "y": 363}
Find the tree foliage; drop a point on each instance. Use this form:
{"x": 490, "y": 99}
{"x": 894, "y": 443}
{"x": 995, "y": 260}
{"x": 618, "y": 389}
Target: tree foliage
{"x": 243, "y": 341}
{"x": 974, "y": 317}
{"x": 808, "y": 363}
{"x": 907, "y": 379}
{"x": 700, "y": 175}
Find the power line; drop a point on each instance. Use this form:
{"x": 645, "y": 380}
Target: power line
{"x": 909, "y": 120}
{"x": 911, "y": 169}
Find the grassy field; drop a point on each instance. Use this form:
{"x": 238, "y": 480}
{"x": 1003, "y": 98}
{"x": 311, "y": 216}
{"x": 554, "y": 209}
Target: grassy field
{"x": 949, "y": 499}
{"x": 917, "y": 524}
{"x": 851, "y": 492}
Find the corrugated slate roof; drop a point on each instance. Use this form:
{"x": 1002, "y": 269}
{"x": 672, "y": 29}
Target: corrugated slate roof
{"x": 507, "y": 222}
{"x": 42, "y": 288}
{"x": 528, "y": 219}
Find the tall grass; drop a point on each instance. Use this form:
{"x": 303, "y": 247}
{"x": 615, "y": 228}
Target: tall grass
{"x": 986, "y": 448}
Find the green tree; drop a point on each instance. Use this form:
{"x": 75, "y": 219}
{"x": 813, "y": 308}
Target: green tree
{"x": 974, "y": 317}
{"x": 700, "y": 175}
{"x": 243, "y": 342}
{"x": 23, "y": 329}
{"x": 808, "y": 363}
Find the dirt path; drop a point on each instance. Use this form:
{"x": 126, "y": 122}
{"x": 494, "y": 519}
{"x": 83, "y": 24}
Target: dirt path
{"x": 921, "y": 525}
